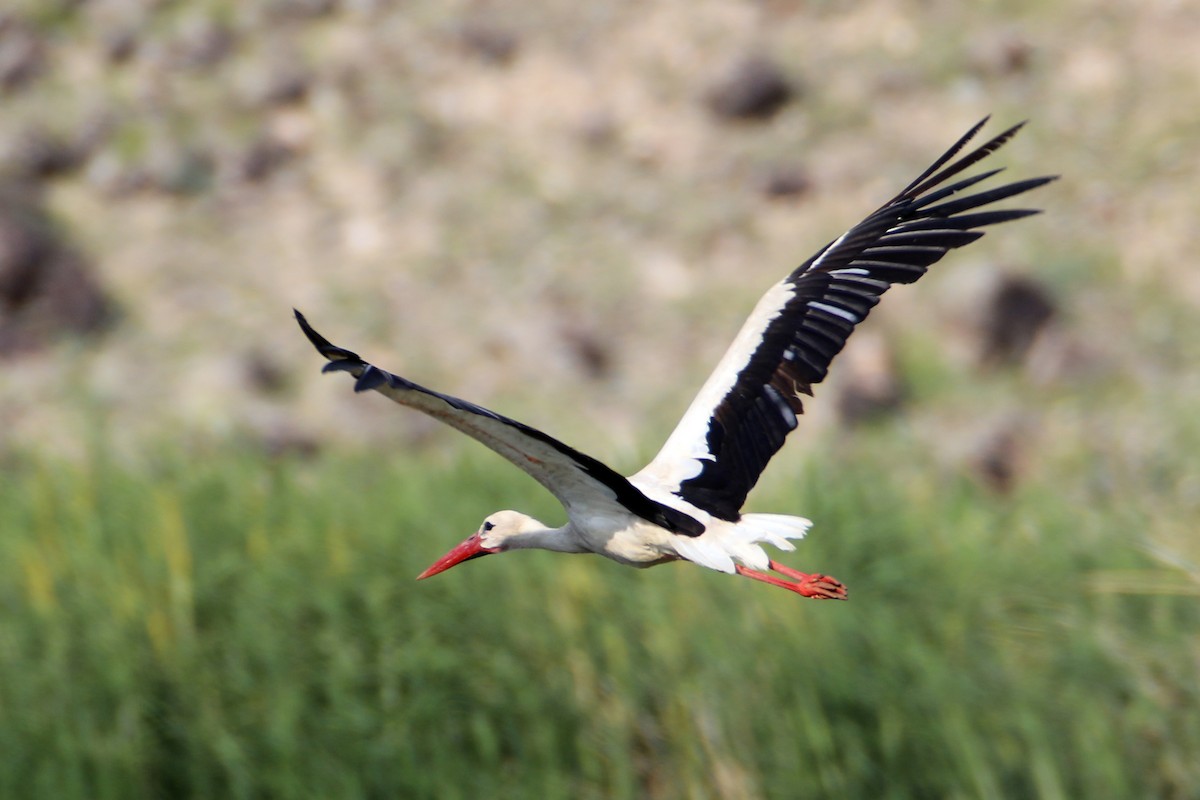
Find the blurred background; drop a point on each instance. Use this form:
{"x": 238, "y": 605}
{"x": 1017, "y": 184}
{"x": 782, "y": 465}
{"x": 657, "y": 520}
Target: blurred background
{"x": 564, "y": 211}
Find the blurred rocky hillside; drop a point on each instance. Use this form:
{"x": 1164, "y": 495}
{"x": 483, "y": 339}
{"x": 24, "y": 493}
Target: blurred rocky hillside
{"x": 564, "y": 210}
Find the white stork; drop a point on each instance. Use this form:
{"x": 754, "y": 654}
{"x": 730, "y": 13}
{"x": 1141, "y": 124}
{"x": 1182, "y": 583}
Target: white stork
{"x": 686, "y": 503}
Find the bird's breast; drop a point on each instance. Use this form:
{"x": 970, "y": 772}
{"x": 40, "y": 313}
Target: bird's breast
{"x": 631, "y": 541}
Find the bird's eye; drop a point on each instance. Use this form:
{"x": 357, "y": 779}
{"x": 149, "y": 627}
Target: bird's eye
{"x": 487, "y": 526}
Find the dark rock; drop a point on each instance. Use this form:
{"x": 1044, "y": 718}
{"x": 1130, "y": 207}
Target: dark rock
{"x": 283, "y": 85}
{"x": 264, "y": 373}
{"x": 24, "y": 248}
{"x": 783, "y": 182}
{"x": 261, "y": 159}
{"x": 37, "y": 153}
{"x": 202, "y": 44}
{"x": 1000, "y": 458}
{"x": 22, "y": 53}
{"x": 489, "y": 42}
{"x": 590, "y": 352}
{"x": 1005, "y": 54}
{"x": 1015, "y": 313}
{"x": 119, "y": 45}
{"x": 46, "y": 287}
{"x": 599, "y": 130}
{"x": 754, "y": 89}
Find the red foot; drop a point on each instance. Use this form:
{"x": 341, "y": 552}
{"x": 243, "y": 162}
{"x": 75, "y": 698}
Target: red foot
{"x": 820, "y": 587}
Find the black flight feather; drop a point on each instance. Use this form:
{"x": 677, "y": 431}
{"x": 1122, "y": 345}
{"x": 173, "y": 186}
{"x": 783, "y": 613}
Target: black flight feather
{"x": 830, "y": 294}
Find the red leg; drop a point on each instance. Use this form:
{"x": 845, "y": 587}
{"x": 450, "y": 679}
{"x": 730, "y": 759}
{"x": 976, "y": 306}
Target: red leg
{"x": 820, "y": 587}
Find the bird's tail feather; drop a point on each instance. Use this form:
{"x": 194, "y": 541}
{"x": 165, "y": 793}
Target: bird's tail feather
{"x": 742, "y": 543}
{"x": 773, "y": 529}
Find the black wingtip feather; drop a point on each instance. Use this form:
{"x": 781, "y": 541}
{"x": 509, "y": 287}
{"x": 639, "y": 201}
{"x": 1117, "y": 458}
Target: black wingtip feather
{"x": 952, "y": 189}
{"x": 831, "y": 293}
{"x": 928, "y": 180}
{"x": 318, "y": 341}
{"x": 953, "y": 207}
{"x": 335, "y": 354}
{"x": 946, "y": 156}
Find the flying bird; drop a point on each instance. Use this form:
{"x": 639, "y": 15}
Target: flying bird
{"x": 686, "y": 504}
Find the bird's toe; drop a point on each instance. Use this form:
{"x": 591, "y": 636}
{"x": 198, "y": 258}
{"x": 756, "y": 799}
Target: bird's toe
{"x": 823, "y": 587}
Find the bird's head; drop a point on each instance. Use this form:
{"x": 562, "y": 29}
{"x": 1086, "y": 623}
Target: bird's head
{"x": 494, "y": 535}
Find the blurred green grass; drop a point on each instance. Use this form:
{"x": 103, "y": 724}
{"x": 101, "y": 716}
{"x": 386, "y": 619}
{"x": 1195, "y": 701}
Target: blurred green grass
{"x": 229, "y": 625}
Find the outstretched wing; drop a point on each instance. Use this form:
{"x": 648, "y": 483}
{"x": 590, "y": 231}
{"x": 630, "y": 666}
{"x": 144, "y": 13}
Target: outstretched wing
{"x": 574, "y": 478}
{"x": 748, "y": 406}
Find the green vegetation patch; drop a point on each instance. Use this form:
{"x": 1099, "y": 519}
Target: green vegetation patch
{"x": 233, "y": 626}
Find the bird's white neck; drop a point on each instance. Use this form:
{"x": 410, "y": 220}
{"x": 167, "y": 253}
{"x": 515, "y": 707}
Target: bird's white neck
{"x": 537, "y": 536}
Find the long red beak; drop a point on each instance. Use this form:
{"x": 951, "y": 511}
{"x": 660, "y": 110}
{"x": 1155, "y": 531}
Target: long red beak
{"x": 469, "y": 549}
